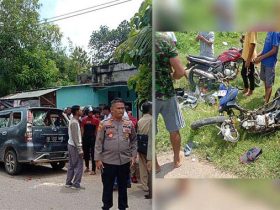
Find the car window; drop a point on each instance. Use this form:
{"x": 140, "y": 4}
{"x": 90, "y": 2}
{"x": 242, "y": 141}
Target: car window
{"x": 48, "y": 118}
{"x": 4, "y": 120}
{"x": 16, "y": 118}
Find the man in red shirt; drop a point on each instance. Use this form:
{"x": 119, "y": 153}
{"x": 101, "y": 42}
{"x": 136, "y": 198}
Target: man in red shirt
{"x": 89, "y": 128}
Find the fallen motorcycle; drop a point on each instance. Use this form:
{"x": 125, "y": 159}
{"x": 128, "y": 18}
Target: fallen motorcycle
{"x": 204, "y": 69}
{"x": 262, "y": 120}
{"x": 185, "y": 100}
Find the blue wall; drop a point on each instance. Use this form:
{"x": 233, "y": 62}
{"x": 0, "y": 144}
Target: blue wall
{"x": 76, "y": 95}
{"x": 86, "y": 95}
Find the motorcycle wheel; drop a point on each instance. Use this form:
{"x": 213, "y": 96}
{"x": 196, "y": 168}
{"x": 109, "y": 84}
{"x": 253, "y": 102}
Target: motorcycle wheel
{"x": 277, "y": 93}
{"x": 257, "y": 78}
{"x": 193, "y": 79}
{"x": 207, "y": 121}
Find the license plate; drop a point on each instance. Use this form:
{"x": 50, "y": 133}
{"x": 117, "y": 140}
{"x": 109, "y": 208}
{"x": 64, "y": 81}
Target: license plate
{"x": 54, "y": 156}
{"x": 54, "y": 138}
{"x": 222, "y": 92}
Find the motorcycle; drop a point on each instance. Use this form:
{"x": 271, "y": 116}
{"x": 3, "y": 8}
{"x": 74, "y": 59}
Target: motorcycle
{"x": 203, "y": 69}
{"x": 185, "y": 100}
{"x": 262, "y": 120}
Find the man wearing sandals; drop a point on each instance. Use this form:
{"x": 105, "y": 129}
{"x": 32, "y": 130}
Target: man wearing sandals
{"x": 268, "y": 59}
{"x": 169, "y": 67}
{"x": 75, "y": 165}
{"x": 249, "y": 53}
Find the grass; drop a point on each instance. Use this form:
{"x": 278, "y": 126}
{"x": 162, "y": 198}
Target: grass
{"x": 225, "y": 155}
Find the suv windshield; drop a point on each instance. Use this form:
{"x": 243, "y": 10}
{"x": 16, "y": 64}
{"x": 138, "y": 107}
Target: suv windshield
{"x": 48, "y": 118}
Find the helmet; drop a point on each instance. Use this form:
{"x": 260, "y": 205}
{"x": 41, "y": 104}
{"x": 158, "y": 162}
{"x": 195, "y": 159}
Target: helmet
{"x": 90, "y": 109}
{"x": 229, "y": 132}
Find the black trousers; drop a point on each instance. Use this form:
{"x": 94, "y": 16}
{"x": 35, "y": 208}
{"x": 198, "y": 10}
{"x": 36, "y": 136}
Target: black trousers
{"x": 110, "y": 172}
{"x": 88, "y": 149}
{"x": 249, "y": 77}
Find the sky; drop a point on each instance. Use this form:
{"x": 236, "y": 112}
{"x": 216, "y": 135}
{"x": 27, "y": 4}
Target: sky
{"x": 79, "y": 28}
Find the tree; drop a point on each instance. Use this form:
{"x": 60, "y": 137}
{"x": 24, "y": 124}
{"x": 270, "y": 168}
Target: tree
{"x": 31, "y": 53}
{"x": 137, "y": 51}
{"x": 24, "y": 61}
{"x": 104, "y": 41}
{"x": 81, "y": 59}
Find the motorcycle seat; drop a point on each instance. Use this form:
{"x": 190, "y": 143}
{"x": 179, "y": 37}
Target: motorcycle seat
{"x": 204, "y": 62}
{"x": 204, "y": 58}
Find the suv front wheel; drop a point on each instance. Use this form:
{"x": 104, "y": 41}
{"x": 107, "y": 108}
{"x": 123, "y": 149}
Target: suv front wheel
{"x": 12, "y": 166}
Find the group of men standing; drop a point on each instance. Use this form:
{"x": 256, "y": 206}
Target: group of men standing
{"x": 267, "y": 57}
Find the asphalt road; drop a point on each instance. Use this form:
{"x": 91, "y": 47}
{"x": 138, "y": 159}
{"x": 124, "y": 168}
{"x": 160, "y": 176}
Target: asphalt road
{"x": 39, "y": 187}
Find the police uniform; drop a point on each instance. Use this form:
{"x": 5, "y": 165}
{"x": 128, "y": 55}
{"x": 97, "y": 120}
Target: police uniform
{"x": 115, "y": 146}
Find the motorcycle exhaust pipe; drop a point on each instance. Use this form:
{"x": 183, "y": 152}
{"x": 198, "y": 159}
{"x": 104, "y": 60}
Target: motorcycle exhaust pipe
{"x": 204, "y": 74}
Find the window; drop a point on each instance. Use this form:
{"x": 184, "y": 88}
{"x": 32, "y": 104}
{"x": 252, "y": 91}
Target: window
{"x": 48, "y": 118}
{"x": 16, "y": 118}
{"x": 4, "y": 120}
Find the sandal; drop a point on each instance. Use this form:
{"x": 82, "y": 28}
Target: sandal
{"x": 188, "y": 148}
{"x": 251, "y": 155}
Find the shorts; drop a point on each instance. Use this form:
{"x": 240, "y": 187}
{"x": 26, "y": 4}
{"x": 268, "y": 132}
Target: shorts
{"x": 267, "y": 75}
{"x": 171, "y": 113}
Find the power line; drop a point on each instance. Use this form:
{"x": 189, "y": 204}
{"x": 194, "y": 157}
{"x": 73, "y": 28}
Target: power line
{"x": 86, "y": 12}
{"x": 46, "y": 19}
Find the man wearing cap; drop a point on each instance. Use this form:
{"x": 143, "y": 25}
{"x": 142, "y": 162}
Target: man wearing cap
{"x": 89, "y": 127}
{"x": 75, "y": 167}
{"x": 115, "y": 152}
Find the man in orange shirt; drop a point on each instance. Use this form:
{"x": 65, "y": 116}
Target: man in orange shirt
{"x": 249, "y": 53}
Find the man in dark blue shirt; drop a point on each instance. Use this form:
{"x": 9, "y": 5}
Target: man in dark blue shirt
{"x": 268, "y": 59}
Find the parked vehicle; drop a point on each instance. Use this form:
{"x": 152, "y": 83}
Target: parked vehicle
{"x": 33, "y": 135}
{"x": 203, "y": 69}
{"x": 262, "y": 120}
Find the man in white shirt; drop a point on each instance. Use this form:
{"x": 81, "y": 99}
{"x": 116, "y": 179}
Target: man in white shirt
{"x": 75, "y": 168}
{"x": 206, "y": 43}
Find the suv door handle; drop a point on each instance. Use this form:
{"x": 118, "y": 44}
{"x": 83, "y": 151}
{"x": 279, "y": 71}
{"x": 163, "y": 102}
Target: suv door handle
{"x": 4, "y": 133}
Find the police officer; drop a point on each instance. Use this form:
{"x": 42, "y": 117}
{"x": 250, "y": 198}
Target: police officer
{"x": 115, "y": 152}
{"x": 89, "y": 127}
